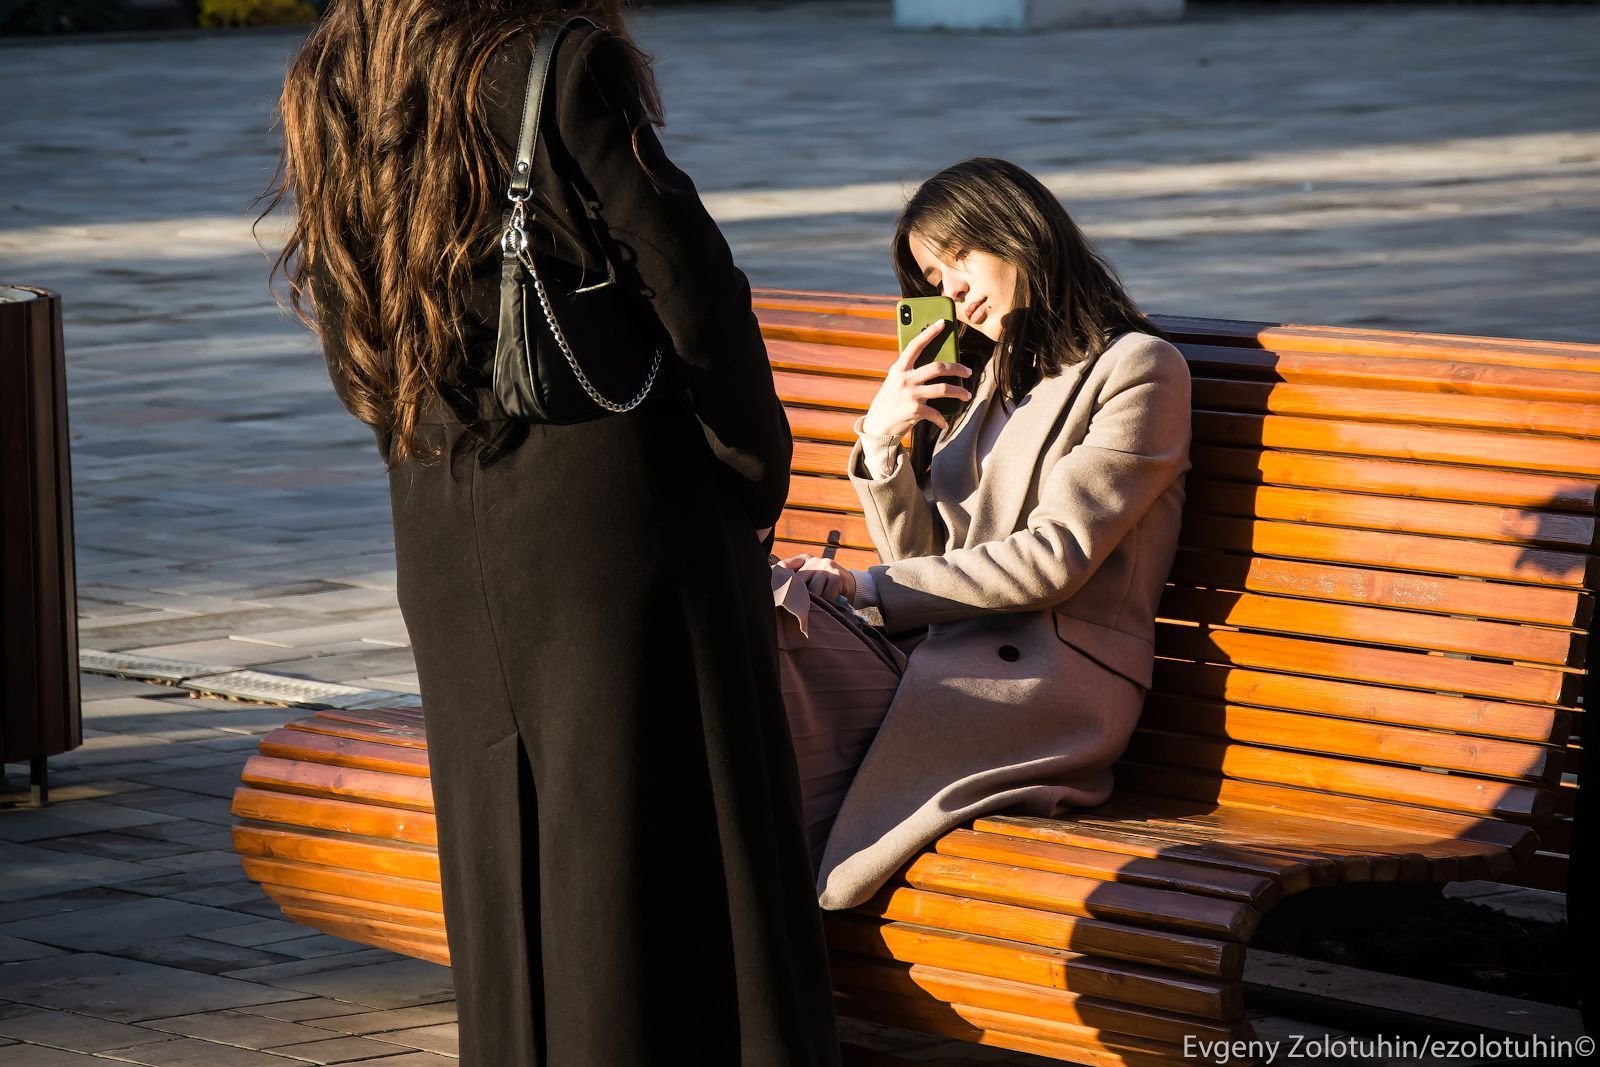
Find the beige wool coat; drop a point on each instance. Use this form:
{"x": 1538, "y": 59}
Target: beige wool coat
{"x": 1038, "y": 585}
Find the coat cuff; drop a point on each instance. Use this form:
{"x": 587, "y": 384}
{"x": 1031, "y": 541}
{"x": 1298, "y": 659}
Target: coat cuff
{"x": 866, "y": 590}
{"x": 879, "y": 450}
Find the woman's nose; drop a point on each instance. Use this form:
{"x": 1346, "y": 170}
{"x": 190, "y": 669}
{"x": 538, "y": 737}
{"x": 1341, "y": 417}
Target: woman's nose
{"x": 955, "y": 288}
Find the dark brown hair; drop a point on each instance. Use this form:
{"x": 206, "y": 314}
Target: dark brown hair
{"x": 1069, "y": 304}
{"x": 398, "y": 184}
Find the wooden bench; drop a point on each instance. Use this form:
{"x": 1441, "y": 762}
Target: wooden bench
{"x": 1370, "y": 659}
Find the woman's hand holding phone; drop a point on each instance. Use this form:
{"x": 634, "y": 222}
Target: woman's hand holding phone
{"x": 902, "y": 400}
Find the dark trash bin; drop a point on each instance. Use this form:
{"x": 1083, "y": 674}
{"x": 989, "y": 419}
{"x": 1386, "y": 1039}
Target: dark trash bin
{"x": 40, "y": 713}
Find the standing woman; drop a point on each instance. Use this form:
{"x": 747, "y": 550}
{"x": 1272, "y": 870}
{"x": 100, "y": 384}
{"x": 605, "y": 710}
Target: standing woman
{"x": 624, "y": 875}
{"x": 1026, "y": 542}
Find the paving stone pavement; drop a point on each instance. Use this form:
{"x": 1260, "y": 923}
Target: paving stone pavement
{"x": 1400, "y": 167}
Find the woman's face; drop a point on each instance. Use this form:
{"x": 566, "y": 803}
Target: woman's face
{"x": 983, "y": 286}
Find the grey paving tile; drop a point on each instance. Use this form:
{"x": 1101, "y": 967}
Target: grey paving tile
{"x": 378, "y": 1022}
{"x": 261, "y": 932}
{"x": 63, "y": 903}
{"x": 307, "y": 1009}
{"x": 197, "y": 954}
{"x": 15, "y": 949}
{"x": 66, "y": 817}
{"x": 41, "y": 1056}
{"x": 117, "y": 926}
{"x": 203, "y": 835}
{"x": 193, "y": 1052}
{"x": 37, "y": 872}
{"x": 238, "y": 1028}
{"x": 123, "y": 990}
{"x": 76, "y": 1033}
{"x": 335, "y": 1050}
{"x": 442, "y": 1038}
{"x": 286, "y": 974}
{"x": 109, "y": 844}
{"x": 397, "y": 984}
{"x": 315, "y": 946}
{"x": 215, "y": 783}
{"x": 208, "y": 859}
{"x": 412, "y": 1059}
{"x": 170, "y": 628}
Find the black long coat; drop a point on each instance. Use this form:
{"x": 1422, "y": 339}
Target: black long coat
{"x": 624, "y": 871}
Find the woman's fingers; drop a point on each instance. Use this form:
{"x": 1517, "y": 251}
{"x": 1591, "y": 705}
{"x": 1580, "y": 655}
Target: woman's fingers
{"x": 927, "y": 411}
{"x": 913, "y": 349}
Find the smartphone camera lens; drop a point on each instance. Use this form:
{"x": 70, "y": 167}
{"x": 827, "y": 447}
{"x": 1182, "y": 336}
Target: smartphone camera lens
{"x": 905, "y": 315}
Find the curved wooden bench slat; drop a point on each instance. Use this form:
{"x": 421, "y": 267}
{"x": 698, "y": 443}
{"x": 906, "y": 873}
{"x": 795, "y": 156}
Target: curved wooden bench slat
{"x": 1369, "y": 655}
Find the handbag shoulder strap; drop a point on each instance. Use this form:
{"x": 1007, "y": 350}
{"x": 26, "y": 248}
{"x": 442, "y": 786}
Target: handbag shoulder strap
{"x": 545, "y": 45}
{"x": 533, "y": 104}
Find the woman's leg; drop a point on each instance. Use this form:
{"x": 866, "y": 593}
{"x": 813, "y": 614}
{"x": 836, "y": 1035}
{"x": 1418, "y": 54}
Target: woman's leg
{"x": 839, "y": 677}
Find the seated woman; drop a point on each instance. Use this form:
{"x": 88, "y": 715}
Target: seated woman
{"x": 1027, "y": 541}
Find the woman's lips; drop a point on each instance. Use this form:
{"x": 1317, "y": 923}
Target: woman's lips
{"x": 978, "y": 312}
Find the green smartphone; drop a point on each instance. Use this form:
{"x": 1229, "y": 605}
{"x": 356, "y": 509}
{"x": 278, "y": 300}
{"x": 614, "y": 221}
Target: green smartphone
{"x": 912, "y": 315}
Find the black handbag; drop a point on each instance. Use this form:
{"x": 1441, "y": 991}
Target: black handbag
{"x": 547, "y": 314}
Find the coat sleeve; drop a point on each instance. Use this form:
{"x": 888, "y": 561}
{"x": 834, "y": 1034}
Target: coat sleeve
{"x": 899, "y": 518}
{"x": 1090, "y": 499}
{"x": 665, "y": 242}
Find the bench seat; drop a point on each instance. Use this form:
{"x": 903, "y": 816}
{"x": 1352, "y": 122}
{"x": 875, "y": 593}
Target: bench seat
{"x": 1370, "y": 660}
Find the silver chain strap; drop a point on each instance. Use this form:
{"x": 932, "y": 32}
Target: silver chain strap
{"x": 515, "y": 239}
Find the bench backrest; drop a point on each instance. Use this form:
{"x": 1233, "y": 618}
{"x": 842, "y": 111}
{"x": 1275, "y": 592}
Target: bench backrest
{"x": 1379, "y": 607}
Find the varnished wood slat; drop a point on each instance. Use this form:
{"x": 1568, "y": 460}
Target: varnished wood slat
{"x": 1346, "y": 777}
{"x": 1354, "y": 700}
{"x": 1089, "y": 897}
{"x": 1478, "y": 448}
{"x": 1373, "y": 625}
{"x": 339, "y": 783}
{"x": 1393, "y": 344}
{"x": 1400, "y": 515}
{"x": 1390, "y": 855}
{"x": 331, "y": 850}
{"x": 1425, "y": 858}
{"x": 1384, "y": 666}
{"x": 1336, "y": 737}
{"x": 1329, "y": 866}
{"x": 1259, "y": 892}
{"x": 1379, "y": 588}
{"x": 406, "y": 892}
{"x": 1091, "y": 937}
{"x": 1187, "y": 784}
{"x": 832, "y": 494}
{"x": 403, "y": 722}
{"x": 1292, "y": 874}
{"x": 405, "y": 941}
{"x": 1397, "y": 551}
{"x": 825, "y": 527}
{"x": 1039, "y": 1037}
{"x": 1418, "y": 373}
{"x": 1125, "y": 983}
{"x": 814, "y": 424}
{"x": 856, "y": 973}
{"x": 373, "y": 820}
{"x": 390, "y": 736}
{"x": 332, "y": 749}
{"x": 428, "y": 923}
{"x": 1388, "y": 477}
{"x": 1550, "y": 417}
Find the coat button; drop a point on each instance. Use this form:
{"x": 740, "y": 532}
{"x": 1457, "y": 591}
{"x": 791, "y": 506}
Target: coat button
{"x": 1009, "y": 653}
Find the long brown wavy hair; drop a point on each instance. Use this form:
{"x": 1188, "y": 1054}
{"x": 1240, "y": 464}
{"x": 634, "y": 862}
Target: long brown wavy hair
{"x": 398, "y": 185}
{"x": 1069, "y": 304}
